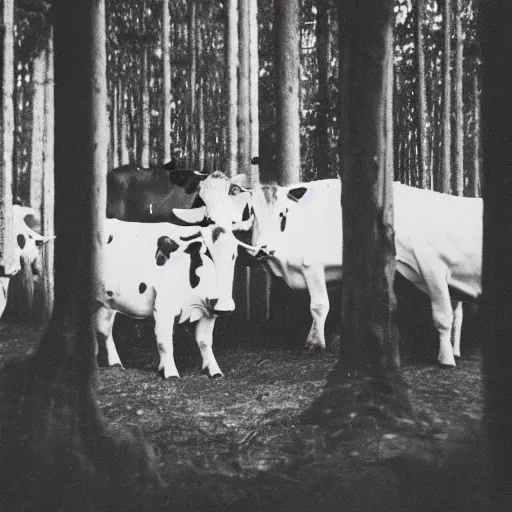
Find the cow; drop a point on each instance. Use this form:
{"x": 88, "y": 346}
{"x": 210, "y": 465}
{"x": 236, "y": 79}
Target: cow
{"x": 167, "y": 271}
{"x": 27, "y": 248}
{"x": 136, "y": 194}
{"x": 438, "y": 237}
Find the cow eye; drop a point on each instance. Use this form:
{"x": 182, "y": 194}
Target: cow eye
{"x": 235, "y": 190}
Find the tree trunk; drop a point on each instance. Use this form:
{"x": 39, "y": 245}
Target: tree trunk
{"x": 48, "y": 185}
{"x": 192, "y": 122}
{"x": 9, "y": 263}
{"x": 496, "y": 41}
{"x": 447, "y": 106}
{"x": 474, "y": 184}
{"x": 322, "y": 160}
{"x": 232, "y": 86}
{"x": 52, "y": 436}
{"x": 166, "y": 61}
{"x": 459, "y": 107}
{"x": 369, "y": 353}
{"x": 287, "y": 106}
{"x": 422, "y": 99}
{"x": 254, "y": 82}
{"x": 124, "y": 154}
{"x": 114, "y": 127}
{"x": 201, "y": 127}
{"x": 244, "y": 128}
{"x": 146, "y": 119}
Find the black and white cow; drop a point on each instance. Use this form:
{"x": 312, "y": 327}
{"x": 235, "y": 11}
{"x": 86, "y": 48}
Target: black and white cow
{"x": 28, "y": 242}
{"x": 438, "y": 243}
{"x": 167, "y": 271}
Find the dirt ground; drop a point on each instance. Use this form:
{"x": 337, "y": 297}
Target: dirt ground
{"x": 249, "y": 441}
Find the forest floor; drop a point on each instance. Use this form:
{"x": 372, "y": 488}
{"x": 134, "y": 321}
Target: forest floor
{"x": 250, "y": 441}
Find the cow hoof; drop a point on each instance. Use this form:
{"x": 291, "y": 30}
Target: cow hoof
{"x": 117, "y": 365}
{"x": 217, "y": 376}
{"x": 314, "y": 349}
{"x": 161, "y": 373}
{"x": 446, "y": 366}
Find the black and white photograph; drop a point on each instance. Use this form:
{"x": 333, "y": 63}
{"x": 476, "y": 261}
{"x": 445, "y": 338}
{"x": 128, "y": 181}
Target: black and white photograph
{"x": 255, "y": 255}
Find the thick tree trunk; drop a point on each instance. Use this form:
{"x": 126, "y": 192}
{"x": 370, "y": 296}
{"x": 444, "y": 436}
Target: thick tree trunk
{"x": 254, "y": 82}
{"x": 244, "y": 128}
{"x": 192, "y": 122}
{"x": 55, "y": 453}
{"x": 322, "y": 153}
{"x": 166, "y": 61}
{"x": 447, "y": 103}
{"x": 369, "y": 352}
{"x": 459, "y": 107}
{"x": 423, "y": 148}
{"x": 232, "y": 50}
{"x": 496, "y": 41}
{"x": 9, "y": 263}
{"x": 287, "y": 105}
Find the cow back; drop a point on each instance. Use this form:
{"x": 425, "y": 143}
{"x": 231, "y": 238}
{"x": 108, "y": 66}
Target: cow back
{"x": 149, "y": 195}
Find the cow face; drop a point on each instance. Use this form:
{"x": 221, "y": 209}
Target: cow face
{"x": 272, "y": 206}
{"x": 28, "y": 240}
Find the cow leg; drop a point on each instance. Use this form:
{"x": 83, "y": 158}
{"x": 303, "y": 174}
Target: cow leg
{"x": 319, "y": 306}
{"x": 4, "y": 288}
{"x": 164, "y": 332}
{"x": 105, "y": 347}
{"x": 204, "y": 339}
{"x": 457, "y": 328}
{"x": 443, "y": 316}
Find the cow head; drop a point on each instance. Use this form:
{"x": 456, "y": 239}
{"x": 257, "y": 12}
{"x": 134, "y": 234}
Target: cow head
{"x": 221, "y": 214}
{"x": 272, "y": 206}
{"x": 28, "y": 240}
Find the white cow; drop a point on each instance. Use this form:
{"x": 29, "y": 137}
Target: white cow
{"x": 438, "y": 240}
{"x": 27, "y": 249}
{"x": 438, "y": 243}
{"x": 167, "y": 271}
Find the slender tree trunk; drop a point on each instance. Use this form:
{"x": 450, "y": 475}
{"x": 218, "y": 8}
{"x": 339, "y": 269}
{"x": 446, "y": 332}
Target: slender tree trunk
{"x": 474, "y": 190}
{"x": 422, "y": 99}
{"x": 459, "y": 107}
{"x": 146, "y": 119}
{"x": 447, "y": 106}
{"x": 124, "y": 154}
{"x": 48, "y": 184}
{"x": 201, "y": 126}
{"x": 287, "y": 105}
{"x": 232, "y": 50}
{"x": 496, "y": 41}
{"x": 322, "y": 160}
{"x": 166, "y": 60}
{"x": 254, "y": 82}
{"x": 114, "y": 129}
{"x": 244, "y": 128}
{"x": 192, "y": 48}
{"x": 8, "y": 260}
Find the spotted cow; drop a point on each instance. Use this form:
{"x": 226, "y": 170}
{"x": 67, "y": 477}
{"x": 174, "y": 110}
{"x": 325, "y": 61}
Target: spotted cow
{"x": 169, "y": 272}
{"x": 438, "y": 244}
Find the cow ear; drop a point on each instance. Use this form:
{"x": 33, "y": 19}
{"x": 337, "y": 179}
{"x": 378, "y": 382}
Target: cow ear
{"x": 193, "y": 217}
{"x": 296, "y": 194}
